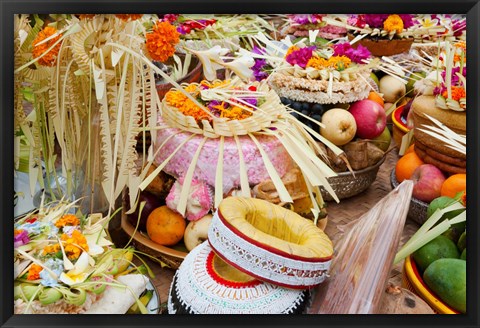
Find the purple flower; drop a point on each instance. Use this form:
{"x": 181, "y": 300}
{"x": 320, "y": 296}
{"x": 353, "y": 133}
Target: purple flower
{"x": 407, "y": 20}
{"x": 455, "y": 80}
{"x": 213, "y": 107}
{"x": 259, "y": 69}
{"x": 439, "y": 90}
{"x": 300, "y": 57}
{"x": 181, "y": 30}
{"x": 258, "y": 51}
{"x": 251, "y": 101}
{"x": 375, "y": 20}
{"x": 21, "y": 238}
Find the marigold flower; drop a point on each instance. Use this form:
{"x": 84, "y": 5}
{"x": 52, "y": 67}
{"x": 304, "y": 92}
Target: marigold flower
{"x": 75, "y": 244}
{"x": 393, "y": 23}
{"x": 67, "y": 220}
{"x": 178, "y": 100}
{"x": 51, "y": 249}
{"x": 39, "y": 49}
{"x": 162, "y": 40}
{"x": 34, "y": 272}
{"x": 457, "y": 93}
{"x": 336, "y": 62}
{"x": 127, "y": 17}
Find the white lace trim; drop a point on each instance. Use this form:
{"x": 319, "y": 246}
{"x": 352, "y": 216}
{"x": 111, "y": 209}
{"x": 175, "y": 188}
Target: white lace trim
{"x": 261, "y": 262}
{"x": 197, "y": 290}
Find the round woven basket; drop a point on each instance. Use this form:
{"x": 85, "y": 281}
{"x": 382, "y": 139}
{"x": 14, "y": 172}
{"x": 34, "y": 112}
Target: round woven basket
{"x": 412, "y": 280}
{"x": 346, "y": 185}
{"x": 418, "y": 209}
{"x": 383, "y": 47}
{"x": 259, "y": 120}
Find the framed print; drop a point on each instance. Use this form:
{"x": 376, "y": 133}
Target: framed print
{"x": 241, "y": 159}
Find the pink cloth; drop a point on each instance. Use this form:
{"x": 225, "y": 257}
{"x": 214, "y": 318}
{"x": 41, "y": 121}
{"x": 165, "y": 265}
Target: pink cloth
{"x": 205, "y": 169}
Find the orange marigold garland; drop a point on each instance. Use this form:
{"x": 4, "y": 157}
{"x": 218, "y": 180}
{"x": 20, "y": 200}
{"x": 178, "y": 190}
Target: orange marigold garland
{"x": 67, "y": 220}
{"x": 393, "y": 23}
{"x": 39, "y": 49}
{"x": 162, "y": 40}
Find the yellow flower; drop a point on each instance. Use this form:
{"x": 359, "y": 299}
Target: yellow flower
{"x": 291, "y": 49}
{"x": 393, "y": 23}
{"x": 235, "y": 113}
{"x": 162, "y": 40}
{"x": 49, "y": 58}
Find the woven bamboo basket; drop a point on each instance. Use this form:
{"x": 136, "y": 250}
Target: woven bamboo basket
{"x": 412, "y": 280}
{"x": 259, "y": 120}
{"x": 346, "y": 185}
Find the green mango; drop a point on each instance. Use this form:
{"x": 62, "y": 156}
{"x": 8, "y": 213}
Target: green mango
{"x": 447, "y": 278}
{"x": 463, "y": 256}
{"x": 462, "y": 241}
{"x": 442, "y": 202}
{"x": 438, "y": 248}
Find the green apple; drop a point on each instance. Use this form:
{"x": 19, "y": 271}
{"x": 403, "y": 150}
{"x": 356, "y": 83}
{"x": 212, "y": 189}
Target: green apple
{"x": 414, "y": 77}
{"x": 375, "y": 79}
{"x": 383, "y": 140}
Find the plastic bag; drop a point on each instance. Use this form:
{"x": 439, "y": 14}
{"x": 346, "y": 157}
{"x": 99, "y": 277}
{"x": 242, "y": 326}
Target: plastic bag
{"x": 364, "y": 257}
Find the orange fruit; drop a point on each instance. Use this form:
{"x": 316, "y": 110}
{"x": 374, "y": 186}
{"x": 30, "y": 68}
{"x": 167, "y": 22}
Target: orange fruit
{"x": 406, "y": 165}
{"x": 165, "y": 227}
{"x": 409, "y": 149}
{"x": 454, "y": 184}
{"x": 376, "y": 98}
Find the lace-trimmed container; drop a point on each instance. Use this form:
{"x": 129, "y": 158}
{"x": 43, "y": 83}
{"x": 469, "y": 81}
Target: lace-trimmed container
{"x": 204, "y": 284}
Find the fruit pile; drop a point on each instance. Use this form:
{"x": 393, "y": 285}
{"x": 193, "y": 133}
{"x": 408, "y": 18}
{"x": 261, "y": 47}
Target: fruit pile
{"x": 442, "y": 261}
{"x": 430, "y": 181}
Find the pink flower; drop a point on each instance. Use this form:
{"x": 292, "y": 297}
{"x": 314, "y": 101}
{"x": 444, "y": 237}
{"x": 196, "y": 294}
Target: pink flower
{"x": 375, "y": 20}
{"x": 300, "y": 57}
{"x": 356, "y": 55}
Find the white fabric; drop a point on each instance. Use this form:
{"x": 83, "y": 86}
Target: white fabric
{"x": 261, "y": 262}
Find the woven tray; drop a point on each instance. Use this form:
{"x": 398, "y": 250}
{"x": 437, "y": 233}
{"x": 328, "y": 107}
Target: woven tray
{"x": 346, "y": 185}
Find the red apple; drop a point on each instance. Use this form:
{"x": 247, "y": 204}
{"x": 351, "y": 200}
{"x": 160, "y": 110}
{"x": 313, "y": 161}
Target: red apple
{"x": 428, "y": 180}
{"x": 370, "y": 118}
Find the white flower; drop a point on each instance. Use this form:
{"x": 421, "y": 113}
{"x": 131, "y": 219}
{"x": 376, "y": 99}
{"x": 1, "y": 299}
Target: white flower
{"x": 79, "y": 273}
{"x": 210, "y": 60}
{"x": 241, "y": 67}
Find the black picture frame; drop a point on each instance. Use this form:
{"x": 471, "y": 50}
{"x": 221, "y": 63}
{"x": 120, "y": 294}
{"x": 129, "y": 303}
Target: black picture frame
{"x": 10, "y": 7}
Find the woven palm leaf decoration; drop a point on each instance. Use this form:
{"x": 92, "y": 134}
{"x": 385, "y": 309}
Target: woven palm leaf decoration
{"x": 266, "y": 115}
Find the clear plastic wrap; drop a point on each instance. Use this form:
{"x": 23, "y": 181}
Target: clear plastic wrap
{"x": 364, "y": 257}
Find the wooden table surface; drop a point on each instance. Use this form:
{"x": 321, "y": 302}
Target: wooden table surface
{"x": 338, "y": 214}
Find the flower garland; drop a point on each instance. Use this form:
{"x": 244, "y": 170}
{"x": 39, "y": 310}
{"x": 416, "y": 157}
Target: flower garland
{"x": 49, "y": 57}
{"x": 162, "y": 40}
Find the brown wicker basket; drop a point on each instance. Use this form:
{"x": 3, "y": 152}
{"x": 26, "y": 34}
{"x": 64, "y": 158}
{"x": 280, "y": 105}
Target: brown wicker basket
{"x": 259, "y": 120}
{"x": 346, "y": 185}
